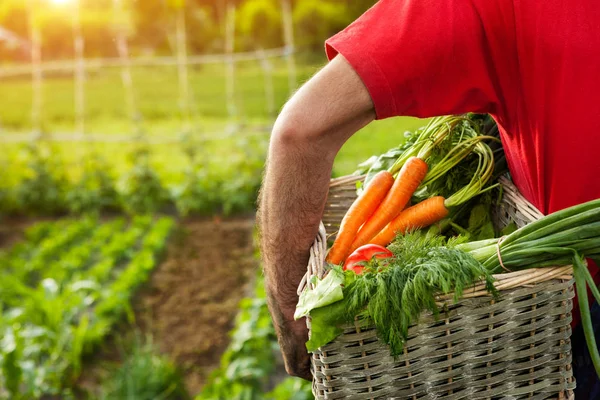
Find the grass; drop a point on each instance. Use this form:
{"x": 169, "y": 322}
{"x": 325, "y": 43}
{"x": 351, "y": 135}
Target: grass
{"x": 145, "y": 374}
{"x": 157, "y": 98}
{"x": 156, "y": 92}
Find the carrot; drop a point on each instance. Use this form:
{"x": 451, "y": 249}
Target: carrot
{"x": 408, "y": 180}
{"x": 419, "y": 216}
{"x": 362, "y": 208}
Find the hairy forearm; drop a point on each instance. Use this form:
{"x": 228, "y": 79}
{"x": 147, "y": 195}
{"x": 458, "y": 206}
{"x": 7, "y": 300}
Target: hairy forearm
{"x": 292, "y": 202}
{"x": 306, "y": 138}
{"x": 309, "y": 132}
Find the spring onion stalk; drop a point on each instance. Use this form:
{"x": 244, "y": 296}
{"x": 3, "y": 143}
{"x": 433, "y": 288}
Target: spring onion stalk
{"x": 579, "y": 270}
{"x": 562, "y": 238}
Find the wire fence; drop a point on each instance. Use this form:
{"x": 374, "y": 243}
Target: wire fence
{"x": 79, "y": 67}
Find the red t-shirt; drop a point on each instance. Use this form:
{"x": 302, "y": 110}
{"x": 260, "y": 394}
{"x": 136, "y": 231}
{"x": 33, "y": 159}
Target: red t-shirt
{"x": 533, "y": 65}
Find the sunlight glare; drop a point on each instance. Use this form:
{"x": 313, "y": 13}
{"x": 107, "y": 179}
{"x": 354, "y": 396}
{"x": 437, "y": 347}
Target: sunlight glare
{"x": 60, "y": 2}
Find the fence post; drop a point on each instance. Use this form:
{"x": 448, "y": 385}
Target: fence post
{"x": 123, "y": 52}
{"x": 267, "y": 68}
{"x": 229, "y": 48}
{"x": 79, "y": 70}
{"x": 182, "y": 72}
{"x": 288, "y": 36}
{"x": 36, "y": 72}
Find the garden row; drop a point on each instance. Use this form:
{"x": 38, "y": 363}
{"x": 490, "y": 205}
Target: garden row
{"x": 249, "y": 363}
{"x": 45, "y": 184}
{"x": 62, "y": 290}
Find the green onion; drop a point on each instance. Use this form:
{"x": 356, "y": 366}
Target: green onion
{"x": 561, "y": 238}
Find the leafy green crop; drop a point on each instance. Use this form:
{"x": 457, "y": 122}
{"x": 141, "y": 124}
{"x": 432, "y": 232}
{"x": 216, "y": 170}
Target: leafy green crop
{"x": 143, "y": 191}
{"x": 250, "y": 359}
{"x": 96, "y": 190}
{"x": 43, "y": 189}
{"x": 291, "y": 389}
{"x": 144, "y": 375}
{"x": 203, "y": 188}
{"x": 60, "y": 293}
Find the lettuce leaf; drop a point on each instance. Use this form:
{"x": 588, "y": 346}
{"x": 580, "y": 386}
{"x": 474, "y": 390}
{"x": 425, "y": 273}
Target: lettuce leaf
{"x": 325, "y": 322}
{"x": 326, "y": 292}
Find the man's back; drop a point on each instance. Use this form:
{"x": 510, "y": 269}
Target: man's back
{"x": 553, "y": 139}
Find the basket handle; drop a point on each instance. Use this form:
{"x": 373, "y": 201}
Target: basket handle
{"x": 316, "y": 262}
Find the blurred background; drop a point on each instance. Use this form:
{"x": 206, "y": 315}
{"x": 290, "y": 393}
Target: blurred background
{"x": 133, "y": 135}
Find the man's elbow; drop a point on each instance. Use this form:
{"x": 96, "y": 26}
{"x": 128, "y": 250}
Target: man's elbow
{"x": 297, "y": 132}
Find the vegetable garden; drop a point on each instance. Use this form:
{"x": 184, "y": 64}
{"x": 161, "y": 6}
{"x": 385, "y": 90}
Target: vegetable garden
{"x": 128, "y": 268}
{"x": 128, "y": 262}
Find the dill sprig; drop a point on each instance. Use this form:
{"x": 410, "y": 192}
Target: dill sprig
{"x": 394, "y": 296}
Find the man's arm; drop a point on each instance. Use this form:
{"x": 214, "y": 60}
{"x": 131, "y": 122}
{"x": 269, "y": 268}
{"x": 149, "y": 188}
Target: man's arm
{"x": 307, "y": 135}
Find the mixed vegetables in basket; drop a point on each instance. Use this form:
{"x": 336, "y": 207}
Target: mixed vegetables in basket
{"x": 421, "y": 227}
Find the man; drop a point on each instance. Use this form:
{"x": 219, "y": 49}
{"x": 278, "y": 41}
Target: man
{"x": 532, "y": 65}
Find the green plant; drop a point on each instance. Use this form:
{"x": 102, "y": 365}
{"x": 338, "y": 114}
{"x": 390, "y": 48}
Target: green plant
{"x": 144, "y": 375}
{"x": 96, "y": 190}
{"x": 249, "y": 360}
{"x": 259, "y": 22}
{"x": 42, "y": 191}
{"x": 62, "y": 290}
{"x": 143, "y": 192}
{"x": 291, "y": 389}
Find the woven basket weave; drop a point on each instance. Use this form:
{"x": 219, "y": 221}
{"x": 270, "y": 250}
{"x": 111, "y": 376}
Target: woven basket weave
{"x": 515, "y": 348}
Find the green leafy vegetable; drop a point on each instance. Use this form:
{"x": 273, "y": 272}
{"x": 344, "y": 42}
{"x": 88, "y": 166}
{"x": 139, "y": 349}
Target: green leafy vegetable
{"x": 383, "y": 162}
{"x": 394, "y": 296}
{"x": 327, "y": 291}
{"x": 325, "y": 325}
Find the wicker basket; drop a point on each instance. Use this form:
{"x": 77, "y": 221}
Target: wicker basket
{"x": 515, "y": 348}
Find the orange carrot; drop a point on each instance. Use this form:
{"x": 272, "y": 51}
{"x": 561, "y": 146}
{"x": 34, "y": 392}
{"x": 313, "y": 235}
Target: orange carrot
{"x": 408, "y": 180}
{"x": 419, "y": 216}
{"x": 362, "y": 208}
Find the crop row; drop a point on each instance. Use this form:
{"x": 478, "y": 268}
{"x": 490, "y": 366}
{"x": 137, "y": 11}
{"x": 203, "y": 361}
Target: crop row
{"x": 45, "y": 184}
{"x": 250, "y": 361}
{"x": 61, "y": 291}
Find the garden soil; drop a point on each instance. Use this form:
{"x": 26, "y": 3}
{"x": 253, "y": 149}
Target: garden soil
{"x": 192, "y": 299}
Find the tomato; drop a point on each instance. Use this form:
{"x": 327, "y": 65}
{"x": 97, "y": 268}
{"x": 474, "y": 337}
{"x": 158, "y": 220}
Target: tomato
{"x": 357, "y": 260}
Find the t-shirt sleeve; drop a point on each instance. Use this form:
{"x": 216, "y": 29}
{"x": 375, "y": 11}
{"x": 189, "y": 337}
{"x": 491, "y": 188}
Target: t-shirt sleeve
{"x": 420, "y": 57}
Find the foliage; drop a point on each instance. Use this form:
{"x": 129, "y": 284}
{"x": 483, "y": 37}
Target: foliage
{"x": 96, "y": 190}
{"x": 205, "y": 190}
{"x": 60, "y": 293}
{"x": 260, "y": 23}
{"x": 316, "y": 20}
{"x": 143, "y": 192}
{"x": 393, "y": 296}
{"x": 291, "y": 389}
{"x": 241, "y": 189}
{"x": 43, "y": 188}
{"x": 150, "y": 24}
{"x": 144, "y": 375}
{"x": 249, "y": 360}
{"x": 198, "y": 194}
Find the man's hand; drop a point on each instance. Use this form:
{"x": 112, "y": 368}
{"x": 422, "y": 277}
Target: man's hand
{"x": 309, "y": 132}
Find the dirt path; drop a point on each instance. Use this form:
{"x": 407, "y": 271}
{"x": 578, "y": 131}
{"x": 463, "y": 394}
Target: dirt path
{"x": 192, "y": 299}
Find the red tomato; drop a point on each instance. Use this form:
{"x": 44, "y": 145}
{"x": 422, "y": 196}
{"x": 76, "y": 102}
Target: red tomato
{"x": 357, "y": 260}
